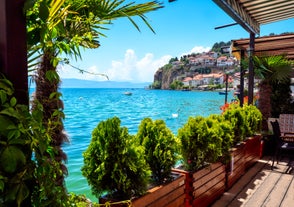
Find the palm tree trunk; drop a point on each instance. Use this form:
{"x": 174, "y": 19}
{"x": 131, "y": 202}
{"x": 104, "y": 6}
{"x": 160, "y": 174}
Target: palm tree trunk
{"x": 264, "y": 103}
{"x": 47, "y": 83}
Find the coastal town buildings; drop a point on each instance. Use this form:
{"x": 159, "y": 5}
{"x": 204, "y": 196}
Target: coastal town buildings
{"x": 209, "y": 68}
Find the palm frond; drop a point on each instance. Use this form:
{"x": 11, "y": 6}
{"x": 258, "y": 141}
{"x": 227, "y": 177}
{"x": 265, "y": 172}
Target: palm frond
{"x": 275, "y": 68}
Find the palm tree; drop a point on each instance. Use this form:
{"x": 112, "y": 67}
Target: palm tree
{"x": 57, "y": 27}
{"x": 270, "y": 70}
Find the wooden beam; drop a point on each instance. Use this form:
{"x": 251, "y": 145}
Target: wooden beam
{"x": 13, "y": 51}
{"x": 234, "y": 10}
{"x": 251, "y": 68}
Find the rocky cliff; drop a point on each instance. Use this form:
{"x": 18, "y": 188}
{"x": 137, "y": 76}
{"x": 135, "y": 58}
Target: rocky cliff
{"x": 166, "y": 76}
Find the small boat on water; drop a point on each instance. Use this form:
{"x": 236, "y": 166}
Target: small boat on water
{"x": 222, "y": 93}
{"x": 128, "y": 93}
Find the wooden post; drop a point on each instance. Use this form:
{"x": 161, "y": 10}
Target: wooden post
{"x": 251, "y": 69}
{"x": 226, "y": 92}
{"x": 13, "y": 51}
{"x": 242, "y": 73}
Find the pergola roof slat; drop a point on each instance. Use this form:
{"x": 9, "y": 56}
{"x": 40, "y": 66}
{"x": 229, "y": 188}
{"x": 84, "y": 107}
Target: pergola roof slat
{"x": 276, "y": 18}
{"x": 269, "y": 45}
{"x": 253, "y": 13}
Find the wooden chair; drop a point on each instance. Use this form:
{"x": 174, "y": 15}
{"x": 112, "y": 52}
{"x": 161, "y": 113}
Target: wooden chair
{"x": 283, "y": 143}
{"x": 286, "y": 122}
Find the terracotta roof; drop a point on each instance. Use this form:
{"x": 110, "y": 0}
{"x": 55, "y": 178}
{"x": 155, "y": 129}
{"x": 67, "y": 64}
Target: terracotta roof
{"x": 269, "y": 45}
{"x": 187, "y": 79}
{"x": 250, "y": 14}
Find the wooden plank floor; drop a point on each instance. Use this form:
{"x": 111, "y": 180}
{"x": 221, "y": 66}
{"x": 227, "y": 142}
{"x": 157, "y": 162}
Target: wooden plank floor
{"x": 262, "y": 187}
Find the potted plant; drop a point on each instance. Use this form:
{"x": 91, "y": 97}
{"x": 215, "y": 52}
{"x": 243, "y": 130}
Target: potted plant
{"x": 160, "y": 149}
{"x": 253, "y": 137}
{"x": 201, "y": 149}
{"x": 236, "y": 116}
{"x": 246, "y": 122}
{"x": 114, "y": 164}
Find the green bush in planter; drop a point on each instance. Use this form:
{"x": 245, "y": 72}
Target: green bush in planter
{"x": 237, "y": 117}
{"x": 114, "y": 164}
{"x": 227, "y": 135}
{"x": 200, "y": 142}
{"x": 160, "y": 148}
{"x": 253, "y": 119}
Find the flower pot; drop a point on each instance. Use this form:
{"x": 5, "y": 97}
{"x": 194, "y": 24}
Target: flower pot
{"x": 236, "y": 167}
{"x": 203, "y": 187}
{"x": 168, "y": 195}
{"x": 252, "y": 150}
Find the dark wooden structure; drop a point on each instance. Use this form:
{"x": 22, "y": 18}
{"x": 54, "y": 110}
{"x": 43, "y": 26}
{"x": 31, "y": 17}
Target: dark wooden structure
{"x": 13, "y": 52}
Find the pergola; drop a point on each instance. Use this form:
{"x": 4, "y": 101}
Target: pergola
{"x": 251, "y": 14}
{"x": 267, "y": 45}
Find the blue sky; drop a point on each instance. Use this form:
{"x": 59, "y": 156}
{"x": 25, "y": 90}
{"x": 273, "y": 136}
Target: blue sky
{"x": 181, "y": 27}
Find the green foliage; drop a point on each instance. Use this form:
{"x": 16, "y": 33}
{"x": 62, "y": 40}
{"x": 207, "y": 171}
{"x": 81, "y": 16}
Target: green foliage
{"x": 253, "y": 119}
{"x": 26, "y": 180}
{"x": 200, "y": 142}
{"x": 167, "y": 66}
{"x": 236, "y": 116}
{"x": 226, "y": 133}
{"x": 62, "y": 27}
{"x": 160, "y": 146}
{"x": 173, "y": 60}
{"x": 246, "y": 121}
{"x": 276, "y": 68}
{"x": 156, "y": 85}
{"x": 218, "y": 45}
{"x": 176, "y": 85}
{"x": 78, "y": 201}
{"x": 16, "y": 167}
{"x": 113, "y": 163}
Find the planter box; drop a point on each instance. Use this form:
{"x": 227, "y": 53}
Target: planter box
{"x": 236, "y": 167}
{"x": 168, "y": 195}
{"x": 252, "y": 150}
{"x": 203, "y": 187}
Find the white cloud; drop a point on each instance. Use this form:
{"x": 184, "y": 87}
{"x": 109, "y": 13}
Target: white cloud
{"x": 200, "y": 49}
{"x": 130, "y": 68}
{"x": 197, "y": 49}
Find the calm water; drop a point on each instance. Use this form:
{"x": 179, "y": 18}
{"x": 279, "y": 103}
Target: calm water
{"x": 85, "y": 108}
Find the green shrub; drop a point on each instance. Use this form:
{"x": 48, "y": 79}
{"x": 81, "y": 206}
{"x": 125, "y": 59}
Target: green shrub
{"x": 160, "y": 148}
{"x": 226, "y": 133}
{"x": 113, "y": 164}
{"x": 237, "y": 117}
{"x": 200, "y": 142}
{"x": 78, "y": 201}
{"x": 253, "y": 119}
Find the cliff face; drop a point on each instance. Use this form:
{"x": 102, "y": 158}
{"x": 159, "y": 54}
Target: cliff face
{"x": 166, "y": 77}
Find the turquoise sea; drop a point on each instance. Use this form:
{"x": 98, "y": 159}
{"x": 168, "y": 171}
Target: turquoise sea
{"x": 85, "y": 108}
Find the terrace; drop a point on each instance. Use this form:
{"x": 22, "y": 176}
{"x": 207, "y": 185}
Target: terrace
{"x": 259, "y": 186}
{"x": 262, "y": 186}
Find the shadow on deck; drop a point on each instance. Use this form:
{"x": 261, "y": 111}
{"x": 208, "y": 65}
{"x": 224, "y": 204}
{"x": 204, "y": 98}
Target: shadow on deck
{"x": 260, "y": 186}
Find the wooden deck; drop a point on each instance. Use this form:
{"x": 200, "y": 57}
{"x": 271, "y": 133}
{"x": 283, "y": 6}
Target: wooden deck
{"x": 262, "y": 187}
